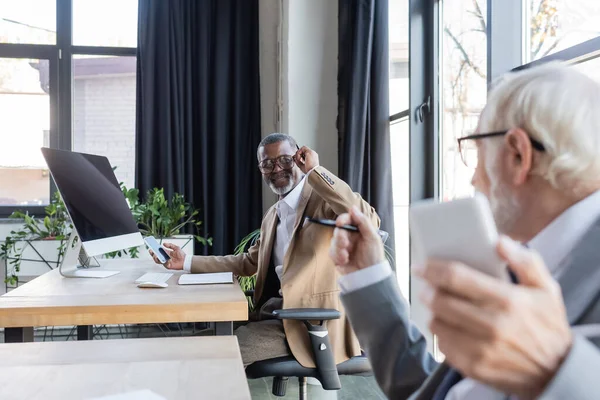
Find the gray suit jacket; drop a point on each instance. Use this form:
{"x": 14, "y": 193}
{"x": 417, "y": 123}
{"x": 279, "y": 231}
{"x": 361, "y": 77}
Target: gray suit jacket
{"x": 398, "y": 351}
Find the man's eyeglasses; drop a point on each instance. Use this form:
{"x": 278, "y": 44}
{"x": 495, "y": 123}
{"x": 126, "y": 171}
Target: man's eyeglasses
{"x": 468, "y": 148}
{"x": 267, "y": 166}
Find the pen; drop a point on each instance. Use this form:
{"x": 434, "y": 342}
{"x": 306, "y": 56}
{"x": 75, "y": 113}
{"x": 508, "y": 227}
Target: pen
{"x": 331, "y": 223}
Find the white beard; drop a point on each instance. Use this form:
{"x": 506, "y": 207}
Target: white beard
{"x": 505, "y": 208}
{"x": 283, "y": 190}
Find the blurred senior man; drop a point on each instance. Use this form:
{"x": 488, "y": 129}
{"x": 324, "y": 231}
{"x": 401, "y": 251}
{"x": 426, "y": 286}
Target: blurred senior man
{"x": 538, "y": 163}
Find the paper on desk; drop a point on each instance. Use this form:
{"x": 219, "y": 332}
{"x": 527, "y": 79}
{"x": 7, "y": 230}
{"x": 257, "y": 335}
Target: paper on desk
{"x": 136, "y": 395}
{"x": 206, "y": 279}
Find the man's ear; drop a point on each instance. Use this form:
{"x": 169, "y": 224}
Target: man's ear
{"x": 520, "y": 154}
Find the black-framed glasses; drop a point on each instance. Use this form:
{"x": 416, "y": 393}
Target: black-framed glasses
{"x": 267, "y": 166}
{"x": 468, "y": 149}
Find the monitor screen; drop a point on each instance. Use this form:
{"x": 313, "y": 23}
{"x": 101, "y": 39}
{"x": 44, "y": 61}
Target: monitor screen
{"x": 91, "y": 194}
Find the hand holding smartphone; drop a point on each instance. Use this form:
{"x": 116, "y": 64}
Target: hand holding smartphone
{"x": 157, "y": 249}
{"x": 461, "y": 230}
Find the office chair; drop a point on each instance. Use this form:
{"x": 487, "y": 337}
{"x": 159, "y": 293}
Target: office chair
{"x": 326, "y": 371}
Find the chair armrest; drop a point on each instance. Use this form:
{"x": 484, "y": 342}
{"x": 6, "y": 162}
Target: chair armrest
{"x": 308, "y": 314}
{"x": 319, "y": 340}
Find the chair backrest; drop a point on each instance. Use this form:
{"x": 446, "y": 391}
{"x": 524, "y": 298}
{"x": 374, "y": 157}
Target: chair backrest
{"x": 384, "y": 235}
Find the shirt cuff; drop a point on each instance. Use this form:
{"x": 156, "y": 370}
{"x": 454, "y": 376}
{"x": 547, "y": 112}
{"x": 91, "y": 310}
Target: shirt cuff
{"x": 311, "y": 170}
{"x": 187, "y": 263}
{"x": 364, "y": 277}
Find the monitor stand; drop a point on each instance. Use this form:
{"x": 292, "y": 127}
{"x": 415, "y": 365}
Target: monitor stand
{"x": 75, "y": 261}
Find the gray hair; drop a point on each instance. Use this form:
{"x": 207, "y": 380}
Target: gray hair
{"x": 276, "y": 138}
{"x": 559, "y": 106}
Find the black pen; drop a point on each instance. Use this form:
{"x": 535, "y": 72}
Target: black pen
{"x": 331, "y": 223}
{"x": 301, "y": 157}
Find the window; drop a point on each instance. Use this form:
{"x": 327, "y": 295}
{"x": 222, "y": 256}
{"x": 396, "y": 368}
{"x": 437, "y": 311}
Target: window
{"x": 399, "y": 135}
{"x": 463, "y": 87}
{"x": 28, "y": 21}
{"x": 104, "y": 111}
{"x": 24, "y": 119}
{"x": 555, "y": 25}
{"x": 90, "y": 22}
{"x": 93, "y": 112}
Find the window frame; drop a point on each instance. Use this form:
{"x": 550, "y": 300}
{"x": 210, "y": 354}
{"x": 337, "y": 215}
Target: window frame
{"x": 61, "y": 57}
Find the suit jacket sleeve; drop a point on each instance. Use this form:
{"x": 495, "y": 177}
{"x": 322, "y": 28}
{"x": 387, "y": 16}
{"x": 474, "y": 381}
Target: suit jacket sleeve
{"x": 395, "y": 347}
{"x": 245, "y": 264}
{"x": 337, "y": 194}
{"x": 577, "y": 378}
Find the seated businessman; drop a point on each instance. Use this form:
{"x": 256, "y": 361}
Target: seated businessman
{"x": 291, "y": 257}
{"x": 538, "y": 162}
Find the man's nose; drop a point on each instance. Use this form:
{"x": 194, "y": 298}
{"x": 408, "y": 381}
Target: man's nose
{"x": 277, "y": 168}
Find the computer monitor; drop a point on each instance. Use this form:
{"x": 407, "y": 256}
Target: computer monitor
{"x": 98, "y": 209}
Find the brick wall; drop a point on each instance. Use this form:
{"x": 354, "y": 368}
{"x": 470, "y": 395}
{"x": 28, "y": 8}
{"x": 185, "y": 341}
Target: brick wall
{"x": 104, "y": 121}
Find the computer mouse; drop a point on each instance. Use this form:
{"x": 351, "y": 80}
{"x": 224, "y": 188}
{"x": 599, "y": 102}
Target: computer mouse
{"x": 152, "y": 285}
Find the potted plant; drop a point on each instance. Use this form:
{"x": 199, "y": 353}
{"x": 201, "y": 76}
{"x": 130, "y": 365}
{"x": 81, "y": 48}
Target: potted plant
{"x": 38, "y": 245}
{"x": 247, "y": 282}
{"x": 165, "y": 220}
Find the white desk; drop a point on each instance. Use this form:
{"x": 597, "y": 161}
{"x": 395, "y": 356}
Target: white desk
{"x": 51, "y": 300}
{"x": 173, "y": 368}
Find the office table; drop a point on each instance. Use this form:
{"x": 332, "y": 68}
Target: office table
{"x": 51, "y": 300}
{"x": 172, "y": 368}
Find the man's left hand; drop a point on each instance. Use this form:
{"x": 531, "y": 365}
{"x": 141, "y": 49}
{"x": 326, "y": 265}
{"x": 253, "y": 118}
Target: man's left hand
{"x": 306, "y": 159}
{"x": 511, "y": 337}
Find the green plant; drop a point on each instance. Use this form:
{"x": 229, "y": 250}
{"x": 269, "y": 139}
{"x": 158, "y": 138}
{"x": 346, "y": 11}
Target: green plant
{"x": 247, "y": 282}
{"x": 158, "y": 217}
{"x": 55, "y": 226}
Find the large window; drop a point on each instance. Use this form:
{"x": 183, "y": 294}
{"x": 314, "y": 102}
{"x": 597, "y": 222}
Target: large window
{"x": 399, "y": 135}
{"x": 463, "y": 87}
{"x": 65, "y": 82}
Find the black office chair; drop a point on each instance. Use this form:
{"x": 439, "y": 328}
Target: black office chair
{"x": 326, "y": 371}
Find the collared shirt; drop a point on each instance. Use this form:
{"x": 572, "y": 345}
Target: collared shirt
{"x": 286, "y": 211}
{"x": 553, "y": 244}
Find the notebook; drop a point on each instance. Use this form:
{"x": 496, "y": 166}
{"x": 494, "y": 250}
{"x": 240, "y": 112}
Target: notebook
{"x": 206, "y": 279}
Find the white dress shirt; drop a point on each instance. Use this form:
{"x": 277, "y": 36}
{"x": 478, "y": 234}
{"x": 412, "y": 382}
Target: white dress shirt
{"x": 553, "y": 244}
{"x": 286, "y": 211}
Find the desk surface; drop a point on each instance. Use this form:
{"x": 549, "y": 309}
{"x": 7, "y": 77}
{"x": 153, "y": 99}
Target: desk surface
{"x": 174, "y": 368}
{"x": 52, "y": 300}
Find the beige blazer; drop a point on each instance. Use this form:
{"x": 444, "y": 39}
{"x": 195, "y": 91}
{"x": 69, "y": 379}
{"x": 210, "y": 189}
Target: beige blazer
{"x": 309, "y": 277}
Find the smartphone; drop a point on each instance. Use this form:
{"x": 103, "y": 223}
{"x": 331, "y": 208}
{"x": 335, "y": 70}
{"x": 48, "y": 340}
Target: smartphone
{"x": 157, "y": 249}
{"x": 461, "y": 230}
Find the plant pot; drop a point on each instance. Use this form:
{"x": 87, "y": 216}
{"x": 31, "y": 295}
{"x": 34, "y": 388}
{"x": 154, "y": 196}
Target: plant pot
{"x": 38, "y": 257}
{"x": 186, "y": 242}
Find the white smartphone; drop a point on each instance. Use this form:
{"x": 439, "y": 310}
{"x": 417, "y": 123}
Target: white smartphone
{"x": 157, "y": 249}
{"x": 461, "y": 230}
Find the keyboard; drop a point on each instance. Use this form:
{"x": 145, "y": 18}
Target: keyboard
{"x": 157, "y": 277}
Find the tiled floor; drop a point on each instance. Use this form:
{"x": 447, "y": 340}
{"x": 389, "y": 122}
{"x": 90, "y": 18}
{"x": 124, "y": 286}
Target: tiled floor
{"x": 353, "y": 388}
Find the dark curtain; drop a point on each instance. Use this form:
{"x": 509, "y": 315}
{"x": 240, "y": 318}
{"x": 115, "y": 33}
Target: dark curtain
{"x": 198, "y": 111}
{"x": 363, "y": 115}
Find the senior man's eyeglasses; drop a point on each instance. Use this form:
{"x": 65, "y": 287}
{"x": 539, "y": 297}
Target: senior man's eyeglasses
{"x": 468, "y": 148}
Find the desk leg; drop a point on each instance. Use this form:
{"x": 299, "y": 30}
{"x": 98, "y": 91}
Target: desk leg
{"x": 85, "y": 332}
{"x": 223, "y": 328}
{"x": 18, "y": 335}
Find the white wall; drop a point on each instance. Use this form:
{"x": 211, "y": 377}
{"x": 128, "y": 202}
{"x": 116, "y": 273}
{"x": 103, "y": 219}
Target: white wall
{"x": 298, "y": 51}
{"x": 269, "y": 12}
{"x": 310, "y": 87}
